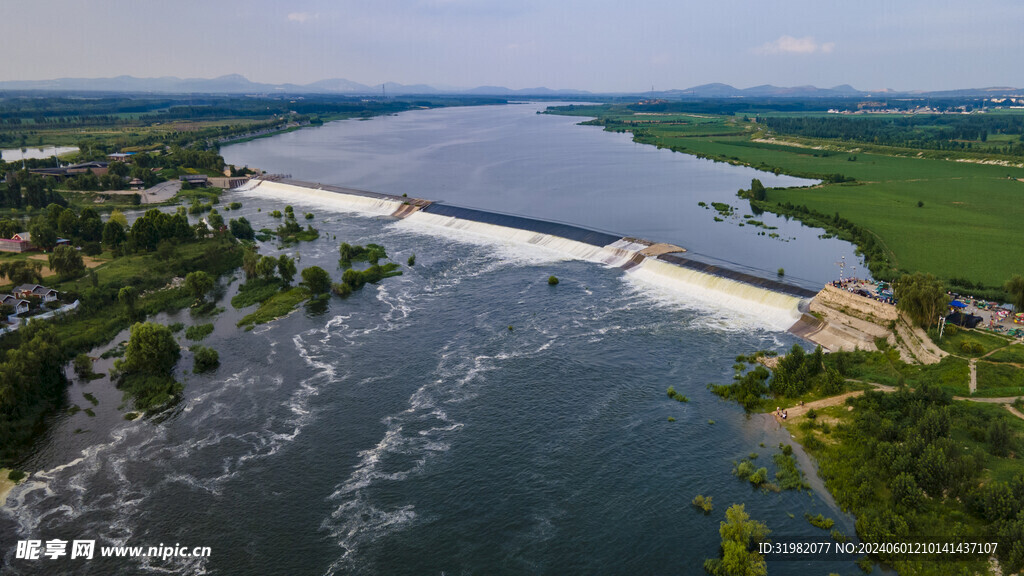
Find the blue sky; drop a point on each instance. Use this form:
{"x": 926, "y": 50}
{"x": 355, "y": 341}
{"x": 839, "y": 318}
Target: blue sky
{"x": 593, "y": 45}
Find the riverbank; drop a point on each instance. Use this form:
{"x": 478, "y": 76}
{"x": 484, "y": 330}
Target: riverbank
{"x": 923, "y": 211}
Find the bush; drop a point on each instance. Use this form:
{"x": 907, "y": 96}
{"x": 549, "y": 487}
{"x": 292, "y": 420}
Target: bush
{"x": 341, "y": 289}
{"x": 16, "y": 476}
{"x": 198, "y": 332}
{"x": 412, "y": 260}
{"x": 703, "y": 503}
{"x": 820, "y": 521}
{"x": 205, "y": 359}
{"x": 92, "y": 249}
{"x": 552, "y": 281}
{"x": 83, "y": 365}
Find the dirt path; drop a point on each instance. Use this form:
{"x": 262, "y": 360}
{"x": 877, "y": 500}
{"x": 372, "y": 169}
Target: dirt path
{"x": 973, "y": 385}
{"x": 795, "y": 411}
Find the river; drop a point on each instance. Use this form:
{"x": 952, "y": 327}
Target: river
{"x": 465, "y": 417}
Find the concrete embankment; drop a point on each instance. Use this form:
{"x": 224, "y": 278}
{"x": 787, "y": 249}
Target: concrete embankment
{"x": 776, "y": 303}
{"x": 842, "y": 320}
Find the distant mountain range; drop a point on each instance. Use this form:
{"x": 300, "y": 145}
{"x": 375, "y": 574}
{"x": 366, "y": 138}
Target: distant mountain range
{"x": 237, "y": 84}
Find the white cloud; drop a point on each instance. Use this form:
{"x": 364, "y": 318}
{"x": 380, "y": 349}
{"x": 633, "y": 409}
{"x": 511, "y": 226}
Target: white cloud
{"x": 300, "y": 17}
{"x": 791, "y": 45}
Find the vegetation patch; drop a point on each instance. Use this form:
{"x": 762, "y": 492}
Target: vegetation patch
{"x": 198, "y": 332}
{"x": 204, "y": 359}
{"x": 146, "y": 372}
{"x": 277, "y": 306}
{"x": 703, "y": 503}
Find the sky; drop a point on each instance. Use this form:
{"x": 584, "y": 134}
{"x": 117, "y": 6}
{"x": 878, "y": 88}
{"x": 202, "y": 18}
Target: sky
{"x": 596, "y": 45}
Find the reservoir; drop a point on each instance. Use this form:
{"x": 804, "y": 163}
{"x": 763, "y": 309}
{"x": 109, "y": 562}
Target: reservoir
{"x": 511, "y": 159}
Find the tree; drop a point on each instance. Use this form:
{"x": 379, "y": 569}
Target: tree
{"x": 83, "y": 365}
{"x": 66, "y": 262}
{"x": 241, "y": 229}
{"x": 250, "y": 258}
{"x": 127, "y": 296}
{"x": 1000, "y": 437}
{"x": 316, "y": 279}
{"x": 118, "y": 216}
{"x": 739, "y": 535}
{"x": 286, "y": 268}
{"x": 22, "y": 271}
{"x": 113, "y": 235}
{"x": 1015, "y": 288}
{"x": 905, "y": 491}
{"x": 198, "y": 283}
{"x": 43, "y": 234}
{"x": 920, "y": 296}
{"x": 151, "y": 350}
{"x": 67, "y": 224}
{"x": 757, "y": 190}
{"x": 265, "y": 267}
{"x": 90, "y": 225}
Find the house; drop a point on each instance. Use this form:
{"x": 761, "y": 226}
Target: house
{"x": 20, "y": 306}
{"x": 26, "y": 290}
{"x": 97, "y": 168}
{"x": 136, "y": 184}
{"x": 20, "y": 242}
{"x": 63, "y": 242}
{"x": 120, "y": 156}
{"x": 195, "y": 180}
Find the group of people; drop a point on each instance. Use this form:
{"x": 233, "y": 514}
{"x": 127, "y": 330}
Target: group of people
{"x": 781, "y": 413}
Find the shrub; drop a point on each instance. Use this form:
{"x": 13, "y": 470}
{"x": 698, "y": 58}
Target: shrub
{"x": 820, "y": 521}
{"x": 205, "y": 359}
{"x": 83, "y": 365}
{"x": 198, "y": 332}
{"x": 703, "y": 503}
{"x": 412, "y": 260}
{"x": 341, "y": 289}
{"x": 16, "y": 476}
{"x": 552, "y": 281}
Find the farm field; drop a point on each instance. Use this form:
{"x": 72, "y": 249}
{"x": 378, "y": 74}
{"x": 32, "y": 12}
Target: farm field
{"x": 955, "y": 217}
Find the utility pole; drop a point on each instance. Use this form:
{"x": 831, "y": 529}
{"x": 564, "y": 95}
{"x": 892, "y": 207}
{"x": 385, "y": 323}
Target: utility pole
{"x": 842, "y": 265}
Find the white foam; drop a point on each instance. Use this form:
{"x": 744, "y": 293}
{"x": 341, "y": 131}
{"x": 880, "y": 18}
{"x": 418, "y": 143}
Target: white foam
{"x": 323, "y": 198}
{"x": 492, "y": 233}
{"x": 773, "y": 310}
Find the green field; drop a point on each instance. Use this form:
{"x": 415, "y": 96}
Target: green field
{"x": 970, "y": 224}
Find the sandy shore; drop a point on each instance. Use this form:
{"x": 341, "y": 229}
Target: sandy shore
{"x": 6, "y": 485}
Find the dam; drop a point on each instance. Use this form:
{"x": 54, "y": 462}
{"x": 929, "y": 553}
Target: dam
{"x": 780, "y": 305}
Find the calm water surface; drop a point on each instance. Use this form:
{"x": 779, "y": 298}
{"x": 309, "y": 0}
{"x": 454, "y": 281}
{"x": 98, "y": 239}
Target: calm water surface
{"x": 511, "y": 159}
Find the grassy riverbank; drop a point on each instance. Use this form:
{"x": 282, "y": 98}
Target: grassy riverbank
{"x": 942, "y": 212}
{"x": 910, "y": 462}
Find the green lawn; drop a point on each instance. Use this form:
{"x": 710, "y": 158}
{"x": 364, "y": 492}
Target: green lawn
{"x": 952, "y": 344}
{"x": 999, "y": 380}
{"x": 1014, "y": 354}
